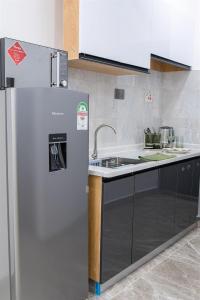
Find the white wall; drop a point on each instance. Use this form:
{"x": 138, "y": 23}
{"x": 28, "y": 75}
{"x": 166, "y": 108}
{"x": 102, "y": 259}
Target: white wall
{"x": 36, "y": 21}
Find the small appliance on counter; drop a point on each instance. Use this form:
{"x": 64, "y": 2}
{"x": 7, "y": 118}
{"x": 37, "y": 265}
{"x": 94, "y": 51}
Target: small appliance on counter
{"x": 167, "y": 136}
{"x": 151, "y": 139}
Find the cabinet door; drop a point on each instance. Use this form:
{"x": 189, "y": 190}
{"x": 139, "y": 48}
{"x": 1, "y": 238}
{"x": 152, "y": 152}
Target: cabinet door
{"x": 196, "y": 176}
{"x": 116, "y": 31}
{"x": 116, "y": 226}
{"x": 195, "y": 190}
{"x": 182, "y": 29}
{"x": 161, "y": 28}
{"x": 173, "y": 27}
{"x": 154, "y": 205}
{"x": 186, "y": 203}
{"x": 146, "y": 208}
{"x": 168, "y": 176}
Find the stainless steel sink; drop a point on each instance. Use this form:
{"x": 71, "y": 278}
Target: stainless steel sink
{"x": 115, "y": 162}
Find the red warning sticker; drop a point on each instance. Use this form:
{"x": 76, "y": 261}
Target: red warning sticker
{"x": 17, "y": 53}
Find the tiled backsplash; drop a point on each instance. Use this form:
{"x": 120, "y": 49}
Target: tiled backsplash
{"x": 129, "y": 116}
{"x": 176, "y": 102}
{"x": 180, "y": 104}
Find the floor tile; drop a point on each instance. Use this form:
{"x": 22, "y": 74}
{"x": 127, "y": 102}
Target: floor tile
{"x": 195, "y": 243}
{"x": 188, "y": 253}
{"x": 165, "y": 289}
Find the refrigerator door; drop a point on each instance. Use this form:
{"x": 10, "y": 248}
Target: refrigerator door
{"x": 4, "y": 259}
{"x": 47, "y": 174}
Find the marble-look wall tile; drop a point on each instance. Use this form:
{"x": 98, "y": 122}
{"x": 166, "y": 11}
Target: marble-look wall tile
{"x": 129, "y": 116}
{"x": 180, "y": 104}
{"x": 176, "y": 102}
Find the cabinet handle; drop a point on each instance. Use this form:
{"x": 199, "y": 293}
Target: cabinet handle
{"x": 183, "y": 169}
{"x": 198, "y": 164}
{"x": 188, "y": 167}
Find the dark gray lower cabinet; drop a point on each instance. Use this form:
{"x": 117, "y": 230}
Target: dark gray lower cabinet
{"x": 117, "y": 216}
{"x": 145, "y": 219}
{"x": 196, "y": 176}
{"x": 187, "y": 194}
{"x": 144, "y": 210}
{"x": 154, "y": 206}
{"x": 167, "y": 192}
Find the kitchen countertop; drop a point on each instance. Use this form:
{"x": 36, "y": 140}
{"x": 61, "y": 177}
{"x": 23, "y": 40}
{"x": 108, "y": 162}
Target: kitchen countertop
{"x": 108, "y": 172}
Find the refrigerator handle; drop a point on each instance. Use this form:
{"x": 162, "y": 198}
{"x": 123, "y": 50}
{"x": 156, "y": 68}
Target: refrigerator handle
{"x": 58, "y": 69}
{"x": 55, "y": 57}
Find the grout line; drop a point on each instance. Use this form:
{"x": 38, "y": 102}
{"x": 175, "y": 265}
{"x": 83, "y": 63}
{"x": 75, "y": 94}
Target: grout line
{"x": 193, "y": 247}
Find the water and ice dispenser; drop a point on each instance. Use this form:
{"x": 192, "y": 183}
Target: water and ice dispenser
{"x": 57, "y": 152}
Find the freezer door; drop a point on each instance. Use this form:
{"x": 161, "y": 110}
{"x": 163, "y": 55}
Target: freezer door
{"x": 47, "y": 170}
{"x": 31, "y": 65}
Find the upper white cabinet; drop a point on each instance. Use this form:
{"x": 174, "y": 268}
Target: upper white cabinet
{"x": 128, "y": 32}
{"x": 173, "y": 25}
{"x": 116, "y": 30}
{"x": 160, "y": 28}
{"x": 182, "y": 31}
{"x": 108, "y": 32}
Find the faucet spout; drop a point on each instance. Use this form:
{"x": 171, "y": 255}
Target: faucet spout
{"x": 95, "y": 152}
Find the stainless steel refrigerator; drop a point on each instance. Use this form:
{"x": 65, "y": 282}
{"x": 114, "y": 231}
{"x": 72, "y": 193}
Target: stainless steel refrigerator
{"x": 43, "y": 177}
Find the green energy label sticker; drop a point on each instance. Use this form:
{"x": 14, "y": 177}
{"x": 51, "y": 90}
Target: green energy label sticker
{"x": 82, "y": 116}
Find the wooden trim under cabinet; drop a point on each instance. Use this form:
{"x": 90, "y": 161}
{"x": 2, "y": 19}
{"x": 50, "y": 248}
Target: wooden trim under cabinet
{"x": 100, "y": 67}
{"x": 94, "y": 224}
{"x": 163, "y": 64}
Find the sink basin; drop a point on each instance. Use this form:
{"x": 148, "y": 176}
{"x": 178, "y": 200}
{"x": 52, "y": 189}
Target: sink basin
{"x": 114, "y": 162}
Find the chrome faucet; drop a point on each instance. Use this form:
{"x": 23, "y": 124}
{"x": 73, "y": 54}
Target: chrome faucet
{"x": 94, "y": 154}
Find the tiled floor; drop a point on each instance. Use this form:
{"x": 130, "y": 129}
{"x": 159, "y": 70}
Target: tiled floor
{"x": 173, "y": 275}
